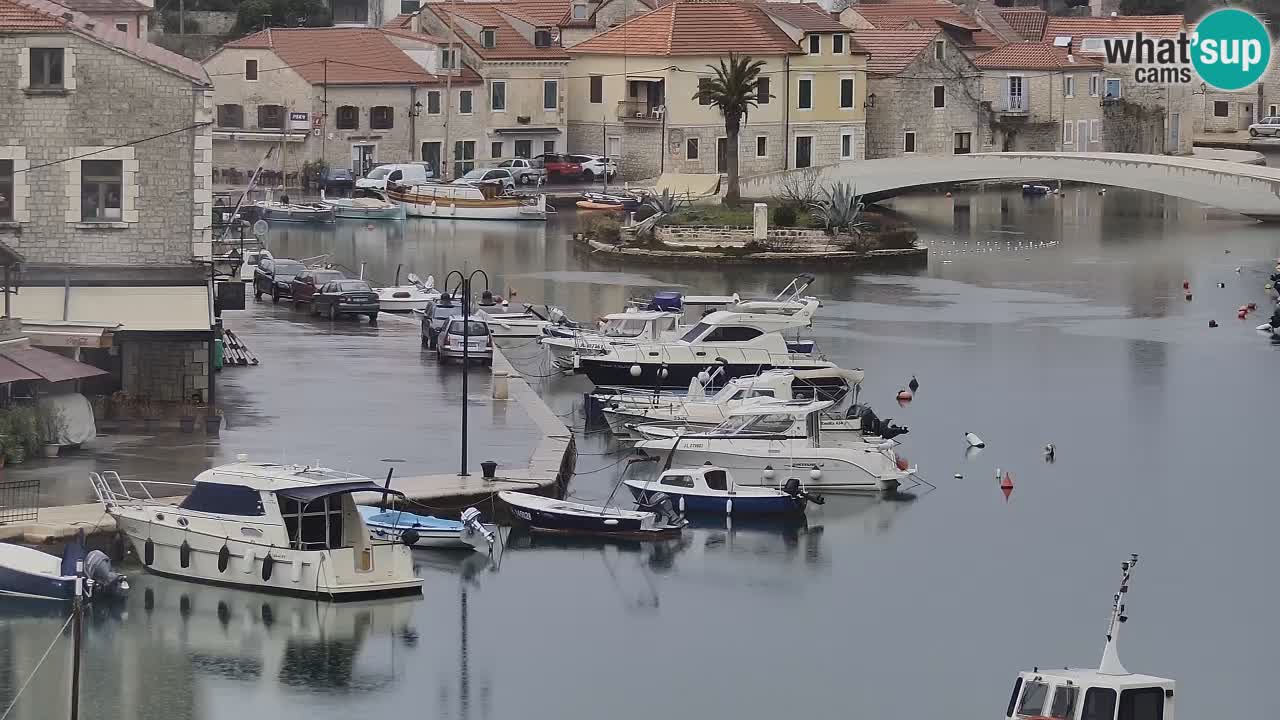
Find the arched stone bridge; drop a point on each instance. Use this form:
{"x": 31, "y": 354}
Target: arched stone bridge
{"x": 1250, "y": 190}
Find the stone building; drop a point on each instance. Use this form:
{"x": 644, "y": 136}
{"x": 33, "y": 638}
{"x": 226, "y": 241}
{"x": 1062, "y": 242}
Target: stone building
{"x": 970, "y": 33}
{"x": 128, "y": 16}
{"x": 105, "y": 191}
{"x": 924, "y": 94}
{"x": 352, "y": 97}
{"x": 1042, "y": 97}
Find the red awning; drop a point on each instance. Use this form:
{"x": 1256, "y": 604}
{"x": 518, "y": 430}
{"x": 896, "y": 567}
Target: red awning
{"x": 42, "y": 364}
{"x": 11, "y": 371}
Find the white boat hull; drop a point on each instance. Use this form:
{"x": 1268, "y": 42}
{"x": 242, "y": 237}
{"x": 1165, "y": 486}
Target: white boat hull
{"x": 839, "y": 469}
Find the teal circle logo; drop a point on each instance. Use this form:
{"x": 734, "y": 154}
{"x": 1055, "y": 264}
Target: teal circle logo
{"x": 1231, "y": 49}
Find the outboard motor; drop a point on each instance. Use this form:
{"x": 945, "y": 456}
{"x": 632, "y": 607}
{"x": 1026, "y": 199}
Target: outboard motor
{"x": 873, "y": 425}
{"x": 660, "y": 504}
{"x": 472, "y": 526}
{"x": 792, "y": 487}
{"x": 97, "y": 567}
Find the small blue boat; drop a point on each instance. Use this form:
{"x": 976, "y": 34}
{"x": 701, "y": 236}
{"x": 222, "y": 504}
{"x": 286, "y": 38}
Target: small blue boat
{"x": 27, "y": 572}
{"x": 711, "y": 489}
{"x": 430, "y": 531}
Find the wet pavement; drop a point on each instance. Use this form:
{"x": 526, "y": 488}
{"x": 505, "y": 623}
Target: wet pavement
{"x": 1038, "y": 320}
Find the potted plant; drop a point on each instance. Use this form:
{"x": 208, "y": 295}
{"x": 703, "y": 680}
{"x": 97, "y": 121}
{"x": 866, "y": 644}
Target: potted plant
{"x": 213, "y": 421}
{"x": 187, "y": 419}
{"x": 53, "y": 429}
{"x": 22, "y": 434}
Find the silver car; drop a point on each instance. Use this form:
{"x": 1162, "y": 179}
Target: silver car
{"x": 525, "y": 171}
{"x": 477, "y": 341}
{"x": 1267, "y": 126}
{"x": 498, "y": 176}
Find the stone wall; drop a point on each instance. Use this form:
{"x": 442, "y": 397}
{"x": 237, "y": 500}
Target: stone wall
{"x": 165, "y": 371}
{"x": 705, "y": 236}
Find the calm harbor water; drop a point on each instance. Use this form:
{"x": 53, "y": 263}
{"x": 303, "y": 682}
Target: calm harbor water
{"x": 1037, "y": 320}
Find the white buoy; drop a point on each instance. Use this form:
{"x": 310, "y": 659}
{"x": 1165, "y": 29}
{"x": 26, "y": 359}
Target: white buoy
{"x": 958, "y": 476}
{"x": 997, "y": 473}
{"x": 974, "y": 440}
{"x": 815, "y": 474}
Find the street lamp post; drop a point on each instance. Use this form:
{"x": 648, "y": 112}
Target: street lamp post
{"x": 464, "y": 289}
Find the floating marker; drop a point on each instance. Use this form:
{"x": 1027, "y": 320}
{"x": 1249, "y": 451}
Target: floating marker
{"x": 974, "y": 440}
{"x": 1213, "y": 323}
{"x": 1188, "y": 297}
{"x": 1049, "y": 451}
{"x": 1222, "y": 284}
{"x": 1186, "y": 284}
{"x": 1007, "y": 480}
{"x": 958, "y": 476}
{"x": 914, "y": 385}
{"x": 1252, "y": 306}
{"x": 904, "y": 394}
{"x": 1237, "y": 269}
{"x": 1242, "y": 314}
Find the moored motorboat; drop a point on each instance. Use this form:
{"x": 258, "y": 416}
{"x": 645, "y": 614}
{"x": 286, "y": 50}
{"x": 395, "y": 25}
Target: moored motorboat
{"x": 294, "y": 212}
{"x": 405, "y": 298}
{"x": 607, "y": 201}
{"x": 466, "y": 201}
{"x": 31, "y": 573}
{"x": 275, "y": 528}
{"x": 549, "y": 515}
{"x": 369, "y": 205}
{"x": 428, "y": 531}
{"x": 530, "y": 323}
{"x": 711, "y": 489}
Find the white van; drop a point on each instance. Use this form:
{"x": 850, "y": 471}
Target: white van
{"x": 407, "y": 174}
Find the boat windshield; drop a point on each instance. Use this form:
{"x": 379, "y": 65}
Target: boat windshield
{"x": 624, "y": 328}
{"x": 695, "y": 332}
{"x": 756, "y": 425}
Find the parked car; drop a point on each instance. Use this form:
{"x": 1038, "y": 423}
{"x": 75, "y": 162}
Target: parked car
{"x": 340, "y": 179}
{"x": 526, "y": 172}
{"x": 595, "y": 167}
{"x": 345, "y": 297}
{"x": 274, "y": 277}
{"x": 501, "y": 176}
{"x": 305, "y": 285}
{"x": 438, "y": 312}
{"x": 404, "y": 173}
{"x": 1265, "y": 126}
{"x": 477, "y": 340}
{"x": 560, "y": 167}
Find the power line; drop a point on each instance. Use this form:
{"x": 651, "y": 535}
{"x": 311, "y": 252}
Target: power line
{"x": 114, "y": 147}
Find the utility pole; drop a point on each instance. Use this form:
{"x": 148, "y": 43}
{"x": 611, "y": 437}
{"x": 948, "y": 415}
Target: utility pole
{"x": 446, "y": 170}
{"x": 324, "y": 115}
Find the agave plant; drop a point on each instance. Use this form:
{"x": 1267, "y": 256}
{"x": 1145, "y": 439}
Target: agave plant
{"x": 840, "y": 209}
{"x": 663, "y": 206}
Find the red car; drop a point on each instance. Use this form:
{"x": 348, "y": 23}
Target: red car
{"x": 306, "y": 284}
{"x": 559, "y": 167}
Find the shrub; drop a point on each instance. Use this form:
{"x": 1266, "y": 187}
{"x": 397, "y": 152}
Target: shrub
{"x": 602, "y": 228}
{"x": 784, "y": 216}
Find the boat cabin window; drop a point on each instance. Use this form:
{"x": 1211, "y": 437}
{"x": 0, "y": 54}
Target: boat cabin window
{"x": 624, "y": 328}
{"x": 1142, "y": 704}
{"x": 1099, "y": 704}
{"x": 747, "y": 393}
{"x": 316, "y": 525}
{"x": 1064, "y": 701}
{"x": 732, "y": 333}
{"x": 717, "y": 479}
{"x": 223, "y": 499}
{"x": 678, "y": 481}
{"x": 1013, "y": 699}
{"x": 695, "y": 332}
{"x": 1033, "y": 697}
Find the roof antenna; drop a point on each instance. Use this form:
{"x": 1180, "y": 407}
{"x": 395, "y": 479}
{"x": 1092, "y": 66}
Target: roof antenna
{"x": 1110, "y": 656}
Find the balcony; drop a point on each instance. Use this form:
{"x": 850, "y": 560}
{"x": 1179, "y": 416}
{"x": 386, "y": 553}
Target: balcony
{"x": 640, "y": 111}
{"x": 1009, "y": 104}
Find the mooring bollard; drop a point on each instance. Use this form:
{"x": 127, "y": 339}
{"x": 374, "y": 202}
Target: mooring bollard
{"x": 500, "y": 384}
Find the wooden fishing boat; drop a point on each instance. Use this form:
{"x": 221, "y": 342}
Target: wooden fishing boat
{"x": 294, "y": 212}
{"x": 466, "y": 201}
{"x": 371, "y": 205}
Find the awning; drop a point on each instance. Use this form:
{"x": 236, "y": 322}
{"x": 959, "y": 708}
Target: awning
{"x": 306, "y": 493}
{"x": 528, "y": 131}
{"x": 11, "y": 371}
{"x": 43, "y": 365}
{"x": 142, "y": 309}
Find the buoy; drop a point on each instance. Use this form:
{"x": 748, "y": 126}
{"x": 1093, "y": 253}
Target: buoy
{"x": 1222, "y": 284}
{"x": 1243, "y": 308}
{"x": 997, "y": 474}
{"x": 948, "y": 194}
{"x": 1188, "y": 297}
{"x": 974, "y": 440}
{"x": 1242, "y": 314}
{"x": 1227, "y": 251}
{"x": 914, "y": 385}
{"x": 904, "y": 394}
{"x": 815, "y": 474}
{"x": 1186, "y": 284}
{"x": 1252, "y": 306}
{"x": 1007, "y": 481}
{"x": 1049, "y": 451}
{"x": 1238, "y": 269}
{"x": 958, "y": 476}
{"x": 1213, "y": 323}
{"x": 635, "y": 371}
{"x": 768, "y": 472}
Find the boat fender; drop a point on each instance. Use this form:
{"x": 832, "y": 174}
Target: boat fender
{"x": 148, "y": 552}
{"x": 224, "y": 558}
{"x": 184, "y": 554}
{"x": 815, "y": 474}
{"x": 268, "y": 564}
{"x": 682, "y": 504}
{"x": 728, "y": 506}
{"x": 184, "y": 606}
{"x": 249, "y": 556}
{"x": 768, "y": 472}
{"x": 409, "y": 537}
{"x": 974, "y": 440}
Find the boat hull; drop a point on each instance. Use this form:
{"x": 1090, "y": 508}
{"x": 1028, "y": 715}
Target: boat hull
{"x": 316, "y": 215}
{"x": 723, "y": 503}
{"x": 18, "y": 583}
{"x": 500, "y": 208}
{"x": 540, "y": 521}
{"x": 835, "y": 474}
{"x": 603, "y": 371}
{"x": 357, "y": 213}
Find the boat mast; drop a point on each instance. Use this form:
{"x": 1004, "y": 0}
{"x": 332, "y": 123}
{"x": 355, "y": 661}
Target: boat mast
{"x": 1110, "y": 664}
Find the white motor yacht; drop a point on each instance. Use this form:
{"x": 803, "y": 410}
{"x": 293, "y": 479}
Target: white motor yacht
{"x": 768, "y": 441}
{"x": 274, "y": 528}
{"x": 620, "y": 328}
{"x": 526, "y": 324}
{"x": 1087, "y": 694}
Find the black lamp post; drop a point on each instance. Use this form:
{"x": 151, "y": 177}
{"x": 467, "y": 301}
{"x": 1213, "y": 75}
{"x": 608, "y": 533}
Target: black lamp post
{"x": 463, "y": 289}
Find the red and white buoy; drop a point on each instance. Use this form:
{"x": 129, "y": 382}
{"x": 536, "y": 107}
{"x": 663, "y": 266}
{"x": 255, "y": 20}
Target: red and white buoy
{"x": 905, "y": 394}
{"x": 1006, "y": 485}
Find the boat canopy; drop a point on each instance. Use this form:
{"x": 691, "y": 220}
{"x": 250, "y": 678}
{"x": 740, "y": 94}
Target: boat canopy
{"x": 307, "y": 493}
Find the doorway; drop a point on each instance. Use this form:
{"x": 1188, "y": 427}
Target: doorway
{"x": 804, "y": 151}
{"x": 1246, "y": 116}
{"x": 363, "y": 159}
{"x": 524, "y": 149}
{"x": 1175, "y": 130}
{"x": 431, "y": 156}
{"x": 1082, "y": 135}
{"x": 722, "y": 155}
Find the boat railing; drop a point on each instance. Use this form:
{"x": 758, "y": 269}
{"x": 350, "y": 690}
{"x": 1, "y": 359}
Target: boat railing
{"x": 112, "y": 489}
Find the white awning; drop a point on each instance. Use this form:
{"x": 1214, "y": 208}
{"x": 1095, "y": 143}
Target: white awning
{"x": 144, "y": 309}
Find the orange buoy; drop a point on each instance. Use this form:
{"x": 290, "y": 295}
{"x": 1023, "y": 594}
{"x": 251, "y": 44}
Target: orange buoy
{"x": 902, "y": 463}
{"x": 1007, "y": 480}
{"x": 1242, "y": 314}
{"x": 904, "y": 394}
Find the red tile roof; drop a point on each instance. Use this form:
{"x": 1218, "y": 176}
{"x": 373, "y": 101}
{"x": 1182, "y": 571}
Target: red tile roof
{"x": 100, "y": 7}
{"x": 909, "y": 14}
{"x": 510, "y": 44}
{"x": 356, "y": 56}
{"x": 1034, "y": 56}
{"x": 1028, "y": 23}
{"x": 893, "y": 50}
{"x": 43, "y": 16}
{"x": 1118, "y": 26}
{"x": 691, "y": 29}
{"x": 804, "y": 16}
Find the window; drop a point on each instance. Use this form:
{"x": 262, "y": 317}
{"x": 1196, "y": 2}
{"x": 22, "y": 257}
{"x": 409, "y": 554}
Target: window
{"x": 762, "y": 91}
{"x": 804, "y": 94}
{"x": 691, "y": 149}
{"x": 271, "y": 117}
{"x": 464, "y": 102}
{"x": 1092, "y": 45}
{"x": 122, "y": 27}
{"x": 579, "y": 11}
{"x": 597, "y": 89}
{"x": 846, "y": 145}
{"x": 347, "y": 118}
{"x": 498, "y": 96}
{"x": 837, "y": 44}
{"x": 550, "y": 94}
{"x": 762, "y": 146}
{"x": 732, "y": 333}
{"x": 804, "y": 151}
{"x": 963, "y": 143}
{"x": 1142, "y": 704}
{"x": 1095, "y": 130}
{"x": 815, "y": 44}
{"x": 1221, "y": 108}
{"x": 488, "y": 37}
{"x": 448, "y": 59}
{"x": 408, "y": 7}
{"x": 846, "y": 93}
{"x": 1093, "y": 85}
{"x": 542, "y": 38}
{"x": 939, "y": 96}
{"x": 6, "y": 191}
{"x": 1068, "y": 86}
{"x": 1064, "y": 701}
{"x": 909, "y": 142}
{"x": 717, "y": 479}
{"x": 1099, "y": 704}
{"x": 250, "y": 69}
{"x": 1033, "y": 697}
{"x": 1013, "y": 699}
{"x": 382, "y": 117}
{"x": 524, "y": 148}
{"x": 223, "y": 499}
{"x": 495, "y": 149}
{"x": 433, "y": 102}
{"x": 1067, "y": 133}
{"x": 677, "y": 481}
{"x": 1113, "y": 87}
{"x": 1271, "y": 110}
{"x": 548, "y": 146}
{"x": 46, "y": 68}
{"x": 230, "y": 116}
{"x": 939, "y": 49}
{"x": 464, "y": 157}
{"x": 101, "y": 183}
{"x": 704, "y": 86}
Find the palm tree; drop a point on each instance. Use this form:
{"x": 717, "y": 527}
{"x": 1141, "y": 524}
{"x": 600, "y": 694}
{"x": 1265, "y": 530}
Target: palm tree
{"x": 735, "y": 89}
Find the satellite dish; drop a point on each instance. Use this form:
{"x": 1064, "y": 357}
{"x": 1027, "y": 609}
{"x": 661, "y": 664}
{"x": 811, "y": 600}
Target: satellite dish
{"x": 260, "y": 228}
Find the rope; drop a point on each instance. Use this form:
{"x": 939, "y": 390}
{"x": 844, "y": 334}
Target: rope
{"x": 43, "y": 657}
